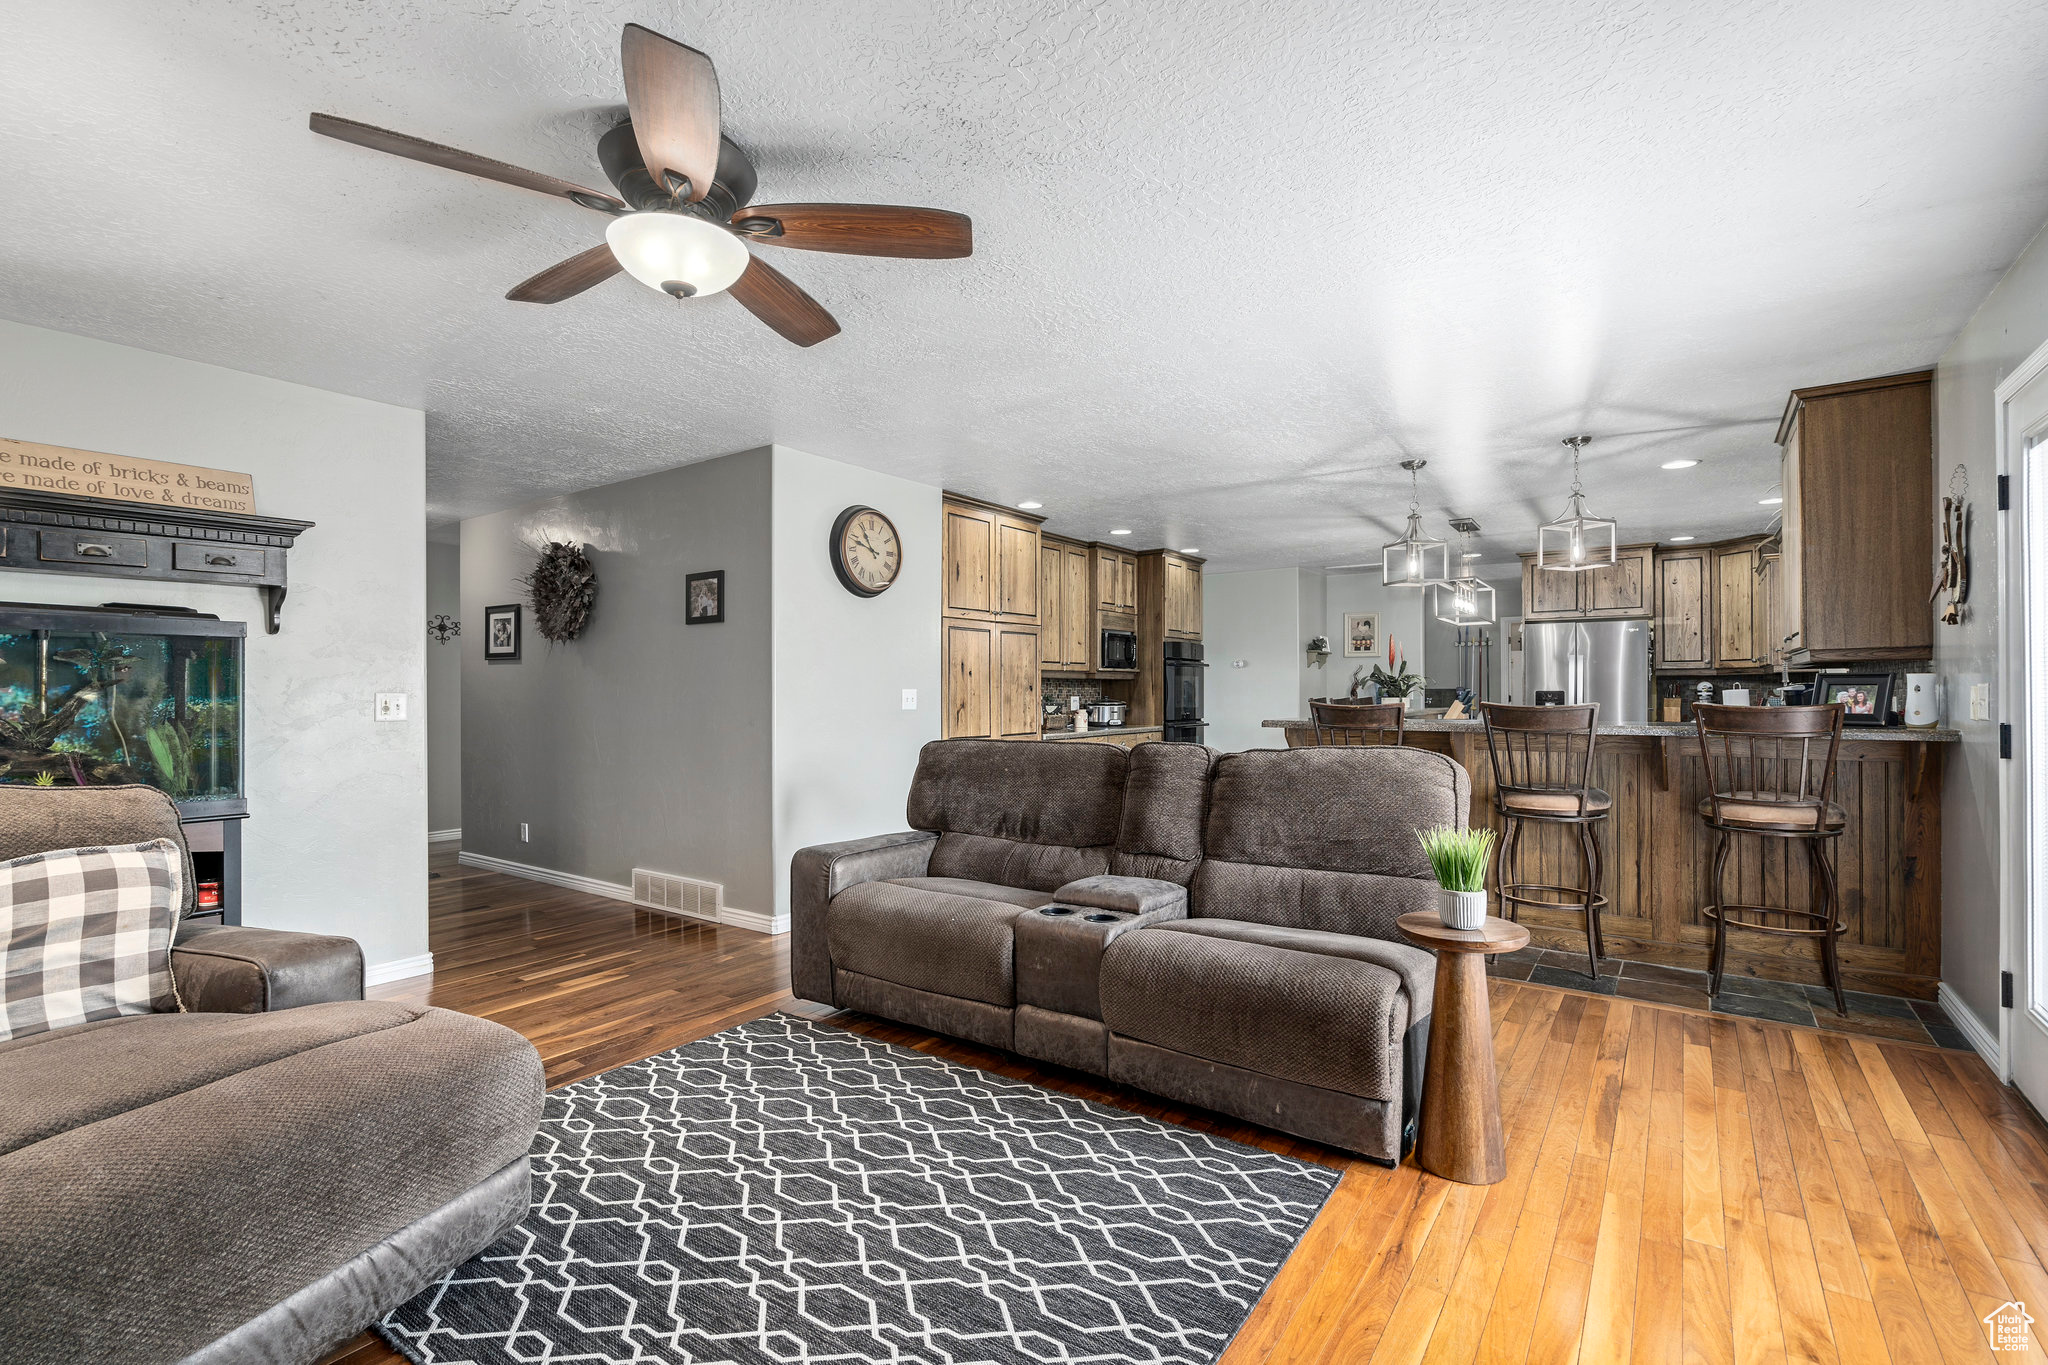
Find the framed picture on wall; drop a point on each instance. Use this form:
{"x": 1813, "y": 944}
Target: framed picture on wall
{"x": 1361, "y": 634}
{"x": 704, "y": 598}
{"x": 501, "y": 634}
{"x": 1866, "y": 698}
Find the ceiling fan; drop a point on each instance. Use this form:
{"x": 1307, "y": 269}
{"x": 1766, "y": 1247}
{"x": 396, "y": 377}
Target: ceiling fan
{"x": 681, "y": 219}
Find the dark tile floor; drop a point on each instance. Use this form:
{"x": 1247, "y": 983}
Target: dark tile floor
{"x": 1753, "y": 997}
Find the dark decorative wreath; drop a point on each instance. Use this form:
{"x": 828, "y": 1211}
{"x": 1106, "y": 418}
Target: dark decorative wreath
{"x": 562, "y": 588}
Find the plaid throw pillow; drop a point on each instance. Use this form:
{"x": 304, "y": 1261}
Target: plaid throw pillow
{"x": 87, "y": 934}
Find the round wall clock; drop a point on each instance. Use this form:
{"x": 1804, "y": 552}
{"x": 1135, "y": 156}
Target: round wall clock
{"x": 866, "y": 552}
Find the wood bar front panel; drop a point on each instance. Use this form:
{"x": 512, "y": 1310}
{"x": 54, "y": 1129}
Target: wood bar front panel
{"x": 1659, "y": 858}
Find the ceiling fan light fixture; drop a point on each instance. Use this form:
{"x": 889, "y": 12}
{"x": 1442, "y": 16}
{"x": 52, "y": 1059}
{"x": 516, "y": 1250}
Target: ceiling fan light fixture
{"x": 675, "y": 253}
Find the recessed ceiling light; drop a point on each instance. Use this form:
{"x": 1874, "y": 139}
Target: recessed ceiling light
{"x": 1192, "y": 550}
{"x": 1768, "y": 502}
{"x": 1678, "y": 464}
{"x": 1676, "y": 539}
{"x": 1121, "y": 531}
{"x": 1029, "y": 506}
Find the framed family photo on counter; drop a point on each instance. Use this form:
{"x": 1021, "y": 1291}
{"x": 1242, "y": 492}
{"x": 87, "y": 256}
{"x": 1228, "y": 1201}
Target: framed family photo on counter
{"x": 1866, "y": 698}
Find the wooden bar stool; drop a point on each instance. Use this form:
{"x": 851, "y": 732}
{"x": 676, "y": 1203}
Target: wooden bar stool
{"x": 1771, "y": 773}
{"x": 1358, "y": 723}
{"x": 1542, "y": 771}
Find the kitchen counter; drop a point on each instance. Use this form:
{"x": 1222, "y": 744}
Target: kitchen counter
{"x": 1105, "y": 732}
{"x": 1659, "y": 853}
{"x": 1645, "y": 730}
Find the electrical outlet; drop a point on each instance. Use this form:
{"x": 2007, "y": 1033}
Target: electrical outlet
{"x": 522, "y": 833}
{"x": 391, "y": 706}
{"x": 910, "y": 699}
{"x": 1980, "y": 701}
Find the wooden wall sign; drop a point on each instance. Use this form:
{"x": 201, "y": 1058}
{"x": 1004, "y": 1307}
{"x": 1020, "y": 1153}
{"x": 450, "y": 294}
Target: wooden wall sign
{"x": 123, "y": 478}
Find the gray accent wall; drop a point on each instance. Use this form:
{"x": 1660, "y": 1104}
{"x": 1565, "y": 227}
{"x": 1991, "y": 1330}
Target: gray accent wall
{"x": 645, "y": 742}
{"x": 2009, "y": 327}
{"x": 336, "y": 837}
{"x": 442, "y": 714}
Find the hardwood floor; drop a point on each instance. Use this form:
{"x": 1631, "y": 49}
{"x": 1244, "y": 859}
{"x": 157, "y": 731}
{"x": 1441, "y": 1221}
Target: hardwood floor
{"x": 1681, "y": 1187}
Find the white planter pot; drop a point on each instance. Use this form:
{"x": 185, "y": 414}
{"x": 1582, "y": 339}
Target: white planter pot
{"x": 1461, "y": 909}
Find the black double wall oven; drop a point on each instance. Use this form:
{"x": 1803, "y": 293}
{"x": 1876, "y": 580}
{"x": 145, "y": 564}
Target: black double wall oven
{"x": 1184, "y": 690}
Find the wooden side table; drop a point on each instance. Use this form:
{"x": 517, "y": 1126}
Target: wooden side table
{"x": 1460, "y": 1129}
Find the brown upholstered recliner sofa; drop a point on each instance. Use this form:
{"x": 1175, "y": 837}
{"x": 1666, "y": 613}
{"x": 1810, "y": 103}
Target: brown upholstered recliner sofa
{"x": 255, "y": 1179}
{"x": 1215, "y": 928}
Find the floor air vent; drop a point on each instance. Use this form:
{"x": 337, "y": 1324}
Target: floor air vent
{"x": 677, "y": 895}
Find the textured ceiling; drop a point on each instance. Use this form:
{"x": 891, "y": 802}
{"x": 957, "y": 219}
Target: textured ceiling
{"x": 1232, "y": 262}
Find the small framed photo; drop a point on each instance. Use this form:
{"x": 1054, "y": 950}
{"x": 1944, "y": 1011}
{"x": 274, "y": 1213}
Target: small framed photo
{"x": 1361, "y": 634}
{"x": 501, "y": 634}
{"x": 1865, "y": 698}
{"x": 704, "y": 598}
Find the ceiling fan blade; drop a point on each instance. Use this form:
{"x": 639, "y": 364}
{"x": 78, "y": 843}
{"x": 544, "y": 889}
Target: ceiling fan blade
{"x": 860, "y": 229}
{"x": 768, "y": 294}
{"x": 454, "y": 159}
{"x": 566, "y": 279}
{"x": 672, "y": 93}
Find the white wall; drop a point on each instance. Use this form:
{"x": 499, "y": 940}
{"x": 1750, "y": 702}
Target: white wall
{"x": 336, "y": 837}
{"x": 442, "y": 714}
{"x": 1312, "y": 618}
{"x": 2009, "y": 326}
{"x": 844, "y": 748}
{"x": 1400, "y": 612}
{"x": 1250, "y": 623}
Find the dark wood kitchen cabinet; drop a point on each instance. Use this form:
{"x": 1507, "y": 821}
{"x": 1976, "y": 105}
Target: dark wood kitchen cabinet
{"x": 1685, "y": 615}
{"x": 1623, "y": 588}
{"x": 1857, "y": 475}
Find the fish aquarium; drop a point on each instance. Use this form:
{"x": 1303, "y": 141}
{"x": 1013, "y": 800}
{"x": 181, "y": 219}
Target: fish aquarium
{"x": 98, "y": 696}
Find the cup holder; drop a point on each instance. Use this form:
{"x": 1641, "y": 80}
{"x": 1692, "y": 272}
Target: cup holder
{"x": 1102, "y": 917}
{"x": 1057, "y": 910}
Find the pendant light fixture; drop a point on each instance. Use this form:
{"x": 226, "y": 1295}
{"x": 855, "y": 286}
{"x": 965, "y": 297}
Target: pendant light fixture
{"x": 1576, "y": 540}
{"x": 1414, "y": 561}
{"x": 1465, "y": 600}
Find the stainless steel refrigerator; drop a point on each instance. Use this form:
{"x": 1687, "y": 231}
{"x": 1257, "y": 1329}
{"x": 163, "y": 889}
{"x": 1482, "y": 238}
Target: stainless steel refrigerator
{"x": 1574, "y": 662}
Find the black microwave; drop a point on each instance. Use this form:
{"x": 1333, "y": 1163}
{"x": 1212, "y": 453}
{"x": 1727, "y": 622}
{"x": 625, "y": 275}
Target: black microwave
{"x": 1119, "y": 650}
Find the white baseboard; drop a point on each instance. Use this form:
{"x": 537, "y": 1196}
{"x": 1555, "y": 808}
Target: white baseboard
{"x": 377, "y": 973}
{"x": 1965, "y": 1018}
{"x": 444, "y": 836}
{"x": 752, "y": 920}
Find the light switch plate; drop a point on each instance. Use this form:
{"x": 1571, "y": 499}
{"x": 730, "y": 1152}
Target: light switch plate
{"x": 522, "y": 832}
{"x": 910, "y": 699}
{"x": 1980, "y": 701}
{"x": 391, "y": 706}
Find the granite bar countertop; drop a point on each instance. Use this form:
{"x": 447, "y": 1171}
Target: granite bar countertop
{"x": 1104, "y": 731}
{"x": 1652, "y": 730}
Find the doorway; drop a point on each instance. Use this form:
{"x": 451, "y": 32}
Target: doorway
{"x": 2023, "y": 611}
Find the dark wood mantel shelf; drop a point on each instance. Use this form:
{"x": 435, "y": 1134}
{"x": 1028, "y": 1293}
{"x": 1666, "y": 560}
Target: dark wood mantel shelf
{"x": 59, "y": 533}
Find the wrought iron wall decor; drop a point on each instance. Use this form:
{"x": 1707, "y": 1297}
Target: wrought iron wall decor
{"x": 443, "y": 627}
{"x": 1953, "y": 576}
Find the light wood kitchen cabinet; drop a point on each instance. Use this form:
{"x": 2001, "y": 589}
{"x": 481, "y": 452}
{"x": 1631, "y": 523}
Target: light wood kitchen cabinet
{"x": 1116, "y": 579}
{"x": 1623, "y": 588}
{"x": 991, "y": 681}
{"x": 1183, "y": 590}
{"x": 1857, "y": 476}
{"x": 993, "y": 585}
{"x": 1739, "y": 627}
{"x": 1066, "y": 606}
{"x": 1685, "y": 628}
{"x": 991, "y": 566}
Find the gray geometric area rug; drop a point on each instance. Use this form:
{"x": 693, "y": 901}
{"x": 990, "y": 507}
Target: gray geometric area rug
{"x": 788, "y": 1192}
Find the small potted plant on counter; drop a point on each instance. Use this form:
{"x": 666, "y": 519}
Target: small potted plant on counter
{"x": 1459, "y": 858}
{"x": 1394, "y": 680}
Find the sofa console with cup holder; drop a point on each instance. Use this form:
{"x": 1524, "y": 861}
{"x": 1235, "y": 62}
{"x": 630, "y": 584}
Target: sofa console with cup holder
{"x": 1214, "y": 928}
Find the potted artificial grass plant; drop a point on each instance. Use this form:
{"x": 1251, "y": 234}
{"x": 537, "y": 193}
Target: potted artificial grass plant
{"x": 1459, "y": 857}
